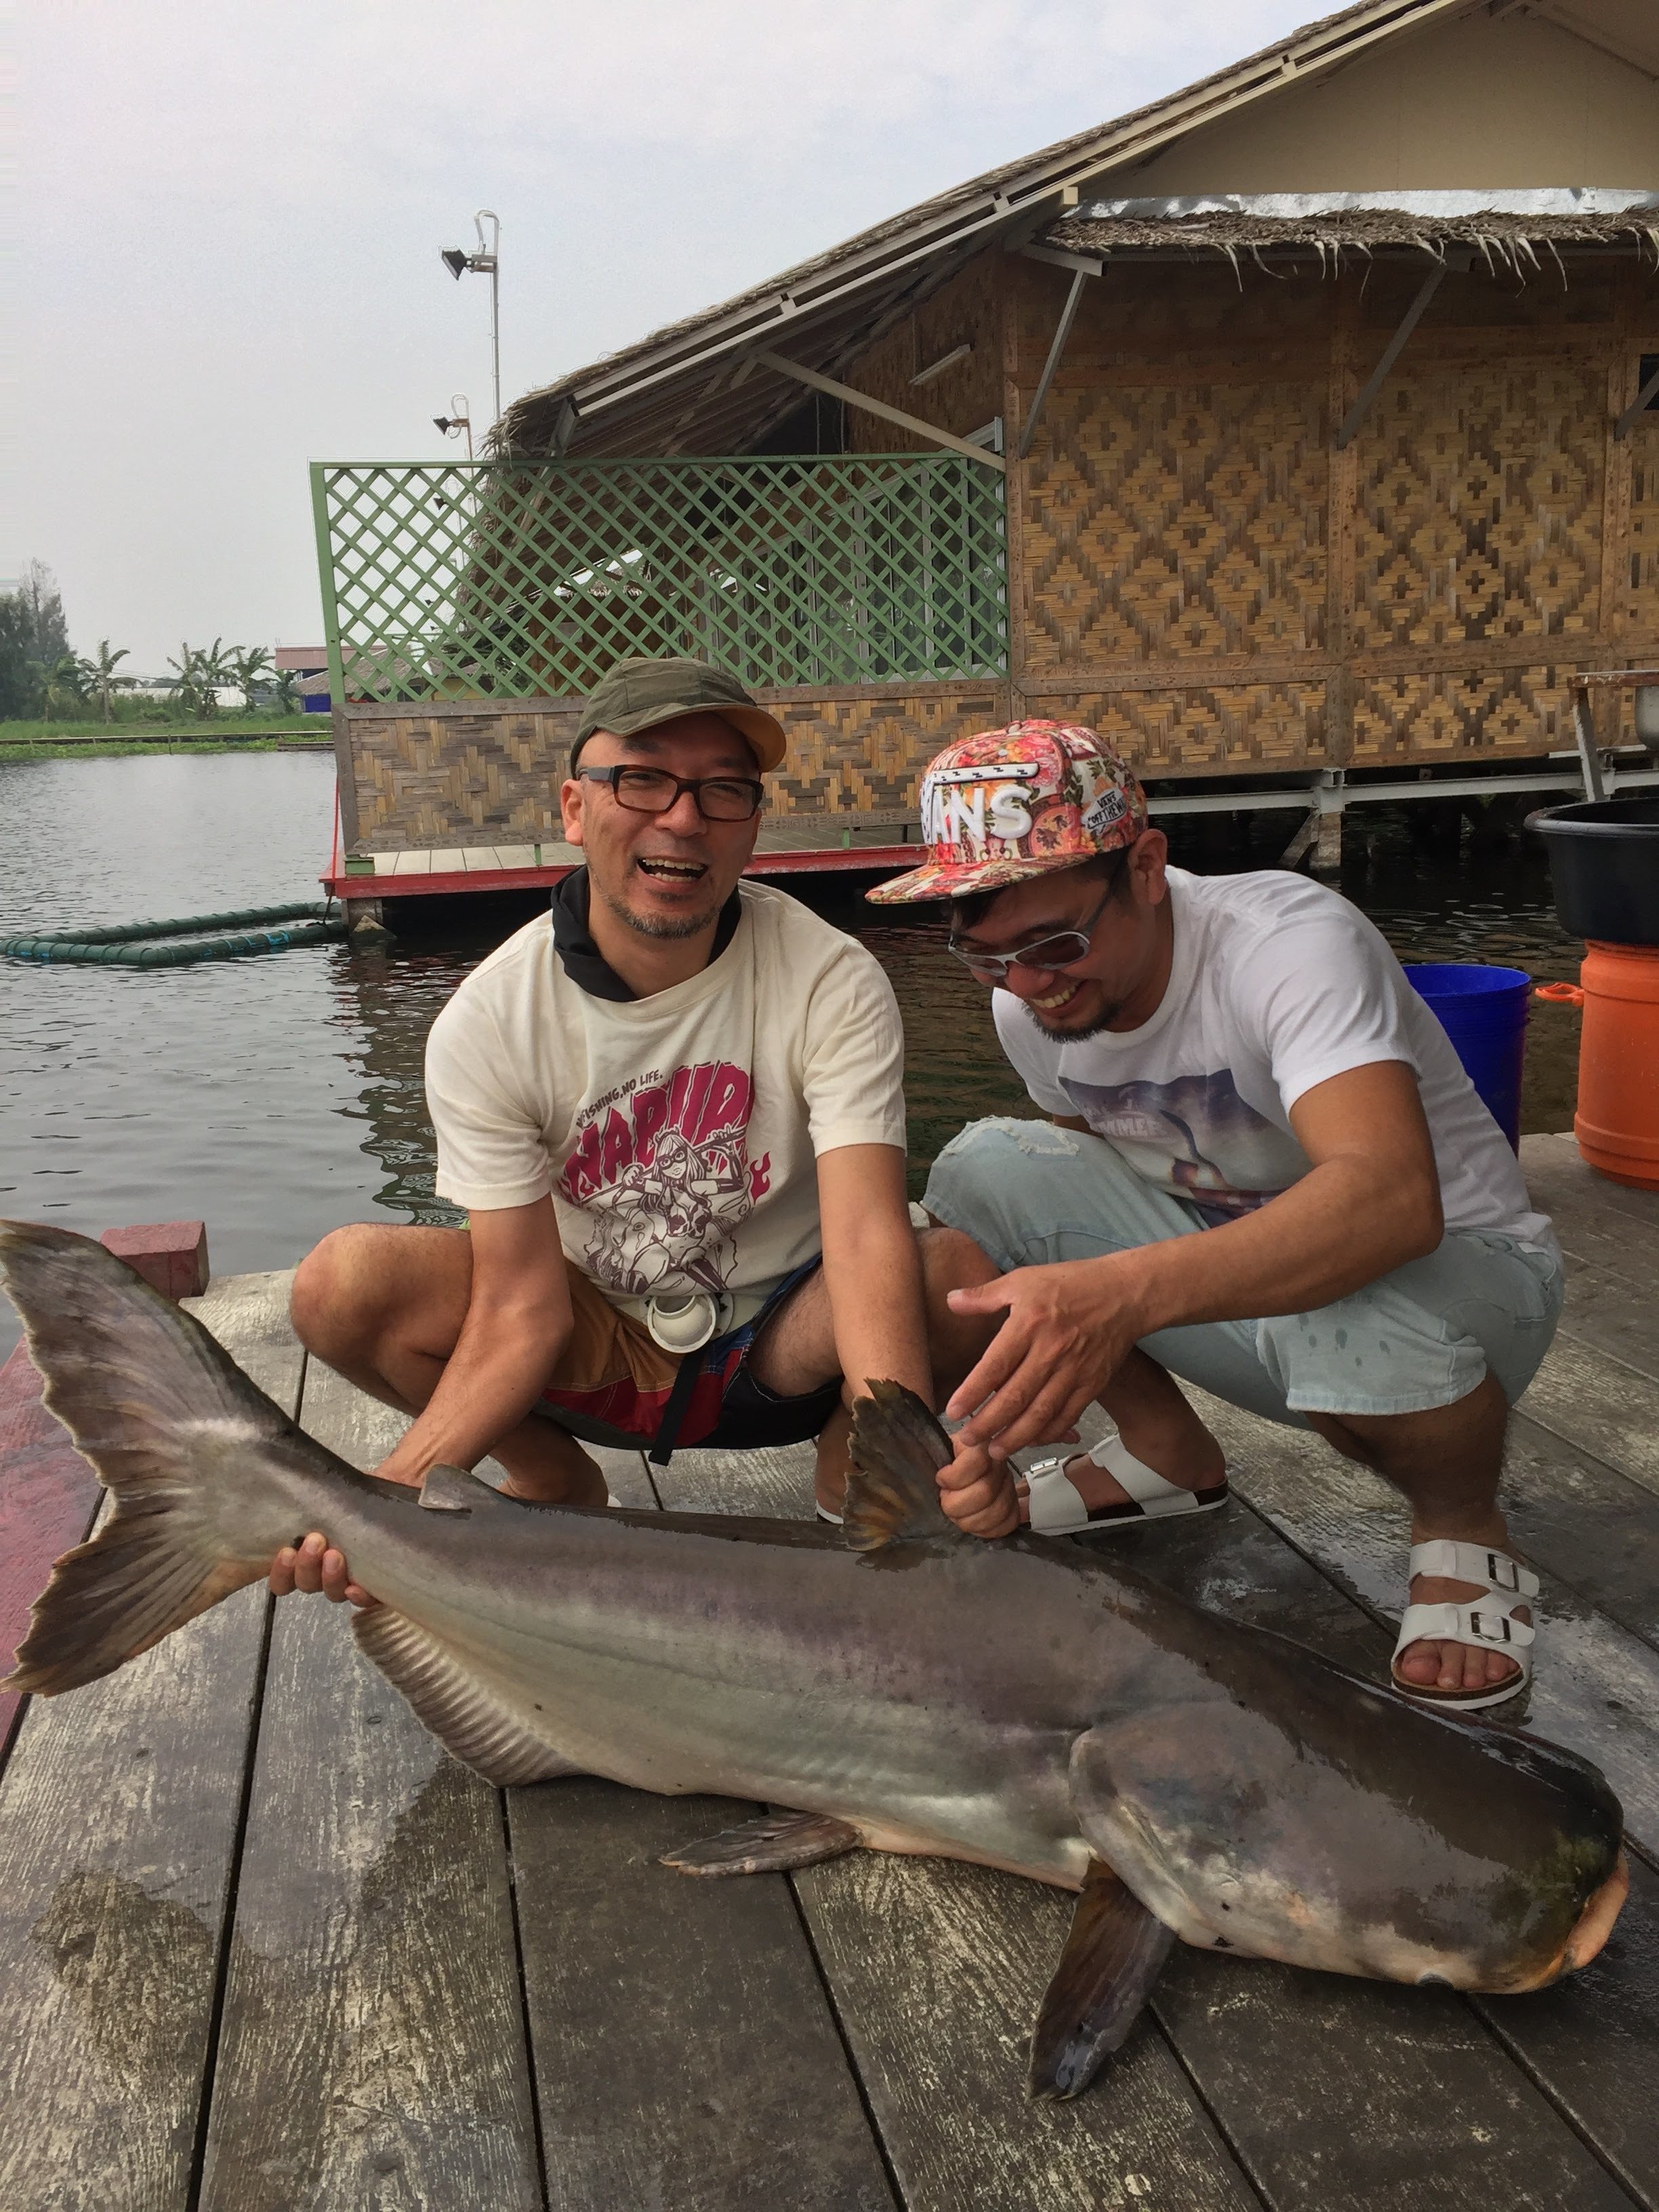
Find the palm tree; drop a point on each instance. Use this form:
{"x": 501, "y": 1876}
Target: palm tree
{"x": 213, "y": 671}
{"x": 253, "y": 667}
{"x": 185, "y": 686}
{"x": 100, "y": 673}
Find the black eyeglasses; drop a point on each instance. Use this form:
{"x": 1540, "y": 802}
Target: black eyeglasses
{"x": 1064, "y": 949}
{"x": 653, "y": 791}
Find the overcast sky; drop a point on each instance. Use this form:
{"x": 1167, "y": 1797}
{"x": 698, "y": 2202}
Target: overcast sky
{"x": 230, "y": 218}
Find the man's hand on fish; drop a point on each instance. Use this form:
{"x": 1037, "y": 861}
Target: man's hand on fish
{"x": 314, "y": 1566}
{"x": 977, "y": 1491}
{"x": 1069, "y": 1326}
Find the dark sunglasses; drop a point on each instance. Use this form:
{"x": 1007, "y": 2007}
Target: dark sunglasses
{"x": 1063, "y": 949}
{"x": 653, "y": 791}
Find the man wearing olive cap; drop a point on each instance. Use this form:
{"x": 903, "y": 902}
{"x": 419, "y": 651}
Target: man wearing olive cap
{"x": 672, "y": 1110}
{"x": 1264, "y": 1170}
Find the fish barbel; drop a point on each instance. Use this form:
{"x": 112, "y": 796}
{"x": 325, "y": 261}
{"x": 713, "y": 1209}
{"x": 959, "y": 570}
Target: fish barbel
{"x": 1024, "y": 1703}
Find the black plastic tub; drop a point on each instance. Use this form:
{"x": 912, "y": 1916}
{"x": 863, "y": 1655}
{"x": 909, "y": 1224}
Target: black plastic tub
{"x": 1604, "y": 866}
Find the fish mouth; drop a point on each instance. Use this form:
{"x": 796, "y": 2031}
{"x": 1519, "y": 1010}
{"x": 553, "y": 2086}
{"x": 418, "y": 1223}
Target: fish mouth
{"x": 1591, "y": 1931}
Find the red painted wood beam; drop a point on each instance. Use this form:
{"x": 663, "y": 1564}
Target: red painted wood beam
{"x": 48, "y": 1494}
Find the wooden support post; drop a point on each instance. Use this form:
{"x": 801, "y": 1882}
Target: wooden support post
{"x": 1583, "y": 728}
{"x": 814, "y": 382}
{"x": 172, "y": 1255}
{"x": 1373, "y": 384}
{"x": 1627, "y": 422}
{"x": 1062, "y": 331}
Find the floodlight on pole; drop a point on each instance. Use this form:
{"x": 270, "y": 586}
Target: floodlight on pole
{"x": 451, "y": 425}
{"x": 486, "y": 262}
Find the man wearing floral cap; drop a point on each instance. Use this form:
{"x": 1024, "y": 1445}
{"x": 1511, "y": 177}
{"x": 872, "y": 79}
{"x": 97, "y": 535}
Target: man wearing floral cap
{"x": 1264, "y": 1170}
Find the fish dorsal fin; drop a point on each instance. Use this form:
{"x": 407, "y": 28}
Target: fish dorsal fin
{"x": 1114, "y": 1954}
{"x": 897, "y": 1449}
{"x": 453, "y": 1489}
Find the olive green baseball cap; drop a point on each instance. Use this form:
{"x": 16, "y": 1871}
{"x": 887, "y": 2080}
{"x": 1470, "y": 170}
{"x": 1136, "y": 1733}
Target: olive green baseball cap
{"x": 643, "y": 694}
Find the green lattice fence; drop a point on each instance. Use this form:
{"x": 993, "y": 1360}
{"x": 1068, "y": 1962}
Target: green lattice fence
{"x": 522, "y": 580}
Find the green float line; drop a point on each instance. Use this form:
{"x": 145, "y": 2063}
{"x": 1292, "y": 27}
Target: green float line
{"x": 109, "y": 948}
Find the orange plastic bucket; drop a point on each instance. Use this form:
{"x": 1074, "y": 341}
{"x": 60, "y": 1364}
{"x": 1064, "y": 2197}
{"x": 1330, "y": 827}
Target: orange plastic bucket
{"x": 1617, "y": 1124}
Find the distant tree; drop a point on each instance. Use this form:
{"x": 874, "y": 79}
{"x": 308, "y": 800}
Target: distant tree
{"x": 284, "y": 689}
{"x": 252, "y": 668}
{"x": 214, "y": 670}
{"x": 61, "y": 686}
{"x": 185, "y": 687}
{"x": 97, "y": 673}
{"x": 48, "y": 636}
{"x": 20, "y": 675}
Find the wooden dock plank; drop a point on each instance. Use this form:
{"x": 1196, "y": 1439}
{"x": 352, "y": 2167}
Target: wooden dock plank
{"x": 936, "y": 1970}
{"x": 1585, "y": 1523}
{"x": 1588, "y": 1398}
{"x": 119, "y": 1817}
{"x": 685, "y": 2055}
{"x": 371, "y": 2048}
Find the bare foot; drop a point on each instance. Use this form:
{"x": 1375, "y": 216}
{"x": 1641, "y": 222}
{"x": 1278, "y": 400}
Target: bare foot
{"x": 1431, "y": 1664}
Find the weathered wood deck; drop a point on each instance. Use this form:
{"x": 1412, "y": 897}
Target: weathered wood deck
{"x": 264, "y": 1946}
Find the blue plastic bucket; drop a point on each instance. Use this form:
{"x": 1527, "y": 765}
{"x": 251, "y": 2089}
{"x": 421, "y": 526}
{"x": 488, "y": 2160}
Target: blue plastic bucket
{"x": 1484, "y": 1011}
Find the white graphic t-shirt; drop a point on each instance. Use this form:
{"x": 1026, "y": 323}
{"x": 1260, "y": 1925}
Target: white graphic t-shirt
{"x": 1277, "y": 985}
{"x": 678, "y": 1135}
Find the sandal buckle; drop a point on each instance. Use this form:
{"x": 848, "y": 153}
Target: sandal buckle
{"x": 1502, "y": 1572}
{"x": 1497, "y": 1632}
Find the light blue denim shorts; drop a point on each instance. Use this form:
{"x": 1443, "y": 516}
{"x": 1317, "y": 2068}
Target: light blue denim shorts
{"x": 1424, "y": 1335}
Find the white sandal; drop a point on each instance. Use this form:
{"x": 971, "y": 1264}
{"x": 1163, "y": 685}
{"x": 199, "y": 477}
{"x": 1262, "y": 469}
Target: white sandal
{"x": 1487, "y": 1624}
{"x": 1058, "y": 1507}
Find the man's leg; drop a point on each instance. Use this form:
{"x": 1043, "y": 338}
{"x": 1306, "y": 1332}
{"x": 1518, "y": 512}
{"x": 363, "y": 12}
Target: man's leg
{"x": 384, "y": 1306}
{"x": 796, "y": 1350}
{"x": 1446, "y": 1462}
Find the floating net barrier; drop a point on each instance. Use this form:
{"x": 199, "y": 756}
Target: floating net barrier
{"x": 143, "y": 944}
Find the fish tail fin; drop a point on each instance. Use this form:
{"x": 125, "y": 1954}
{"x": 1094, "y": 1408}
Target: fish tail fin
{"x": 158, "y": 1410}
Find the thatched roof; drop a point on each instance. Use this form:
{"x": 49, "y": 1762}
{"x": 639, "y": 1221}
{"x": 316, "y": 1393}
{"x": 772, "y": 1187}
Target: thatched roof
{"x": 1513, "y": 227}
{"x": 693, "y": 386}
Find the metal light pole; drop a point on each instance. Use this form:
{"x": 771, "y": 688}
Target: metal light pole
{"x": 487, "y": 262}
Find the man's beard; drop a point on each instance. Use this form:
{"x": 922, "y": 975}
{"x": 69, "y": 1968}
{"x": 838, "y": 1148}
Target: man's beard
{"x": 1104, "y": 1016}
{"x": 658, "y": 925}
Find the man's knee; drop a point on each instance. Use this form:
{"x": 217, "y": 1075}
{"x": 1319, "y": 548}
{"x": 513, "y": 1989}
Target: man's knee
{"x": 993, "y": 1176}
{"x": 952, "y": 1261}
{"x": 361, "y": 1278}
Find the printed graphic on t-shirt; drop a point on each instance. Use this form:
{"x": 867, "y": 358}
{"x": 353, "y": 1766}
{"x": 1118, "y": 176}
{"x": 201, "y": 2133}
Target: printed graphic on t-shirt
{"x": 661, "y": 1169}
{"x": 1195, "y": 1138}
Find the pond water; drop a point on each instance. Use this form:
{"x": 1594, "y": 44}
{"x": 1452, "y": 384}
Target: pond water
{"x": 278, "y": 1097}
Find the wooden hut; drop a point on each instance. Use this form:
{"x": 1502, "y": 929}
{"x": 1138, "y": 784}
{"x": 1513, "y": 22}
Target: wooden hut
{"x": 1304, "y": 425}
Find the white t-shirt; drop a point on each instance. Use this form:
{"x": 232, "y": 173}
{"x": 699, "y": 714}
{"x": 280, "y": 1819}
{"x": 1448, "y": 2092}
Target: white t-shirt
{"x": 1276, "y": 984}
{"x": 676, "y": 1134}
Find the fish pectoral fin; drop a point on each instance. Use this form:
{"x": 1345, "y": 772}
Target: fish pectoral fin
{"x": 1113, "y": 1955}
{"x": 471, "y": 1722}
{"x": 769, "y": 1845}
{"x": 897, "y": 1449}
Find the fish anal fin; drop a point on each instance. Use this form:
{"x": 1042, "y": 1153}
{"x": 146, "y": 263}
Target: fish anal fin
{"x": 1113, "y": 1955}
{"x": 897, "y": 1449}
{"x": 769, "y": 1845}
{"x": 472, "y": 1724}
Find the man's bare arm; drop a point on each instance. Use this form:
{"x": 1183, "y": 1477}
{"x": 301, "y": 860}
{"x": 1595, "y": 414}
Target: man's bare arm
{"x": 1371, "y": 1202}
{"x": 871, "y": 1268}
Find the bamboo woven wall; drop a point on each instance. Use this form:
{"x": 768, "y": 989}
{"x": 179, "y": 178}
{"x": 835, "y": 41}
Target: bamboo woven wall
{"x": 479, "y": 775}
{"x": 1196, "y": 570}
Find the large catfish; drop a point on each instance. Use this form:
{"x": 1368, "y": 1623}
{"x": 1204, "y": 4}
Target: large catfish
{"x": 1026, "y": 1704}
